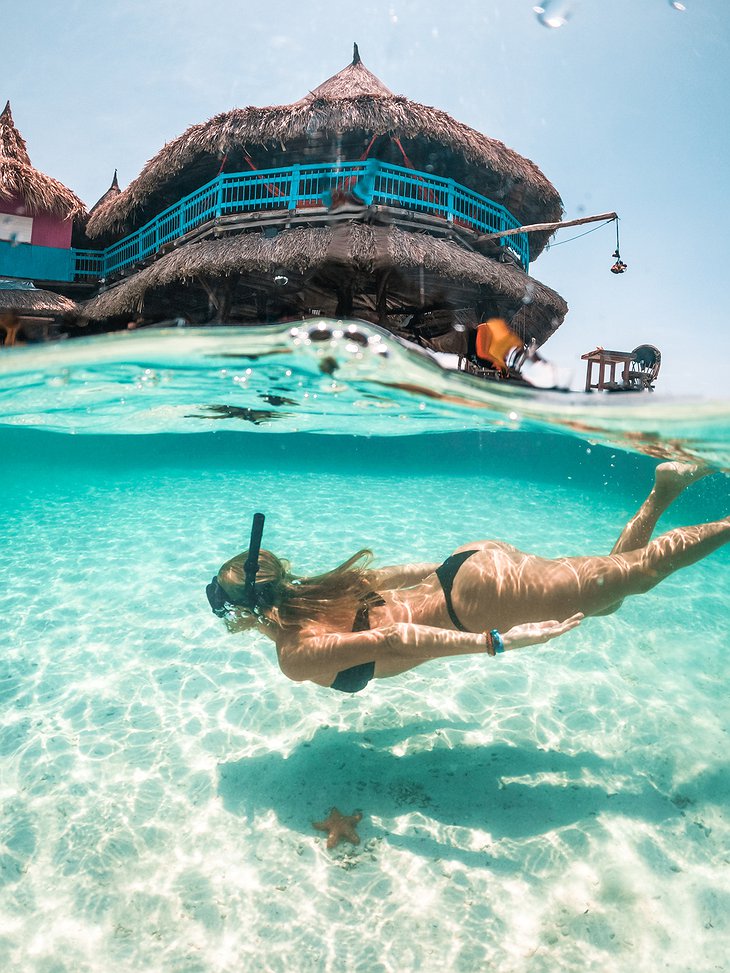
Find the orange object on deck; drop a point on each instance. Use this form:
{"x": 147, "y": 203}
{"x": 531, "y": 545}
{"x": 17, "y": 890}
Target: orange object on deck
{"x": 495, "y": 341}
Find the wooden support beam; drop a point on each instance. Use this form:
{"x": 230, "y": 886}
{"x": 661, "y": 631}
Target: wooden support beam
{"x": 228, "y": 290}
{"x": 544, "y": 227}
{"x": 212, "y": 296}
{"x": 381, "y": 296}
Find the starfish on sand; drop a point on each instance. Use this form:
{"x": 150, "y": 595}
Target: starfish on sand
{"x": 339, "y": 827}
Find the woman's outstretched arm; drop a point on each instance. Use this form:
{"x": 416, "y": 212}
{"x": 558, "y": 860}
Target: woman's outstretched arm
{"x": 399, "y": 575}
{"x": 324, "y": 654}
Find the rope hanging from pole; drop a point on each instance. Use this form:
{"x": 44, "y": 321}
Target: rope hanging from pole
{"x": 619, "y": 267}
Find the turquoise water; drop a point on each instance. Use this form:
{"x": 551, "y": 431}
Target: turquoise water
{"x": 561, "y": 808}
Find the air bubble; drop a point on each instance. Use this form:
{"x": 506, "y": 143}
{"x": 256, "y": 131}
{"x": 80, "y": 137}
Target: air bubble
{"x": 63, "y": 378}
{"x": 676, "y": 5}
{"x": 555, "y": 13}
{"x": 147, "y": 379}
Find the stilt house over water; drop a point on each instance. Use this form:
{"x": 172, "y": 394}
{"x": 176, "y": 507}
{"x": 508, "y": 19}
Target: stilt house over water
{"x": 352, "y": 201}
{"x": 37, "y": 216}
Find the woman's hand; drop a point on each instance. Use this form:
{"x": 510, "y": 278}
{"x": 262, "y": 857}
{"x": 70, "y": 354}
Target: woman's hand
{"x": 535, "y": 633}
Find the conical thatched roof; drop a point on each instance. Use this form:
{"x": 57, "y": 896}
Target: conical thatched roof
{"x": 351, "y": 103}
{"x": 362, "y": 248}
{"x": 351, "y": 82}
{"x": 112, "y": 192}
{"x": 22, "y": 298}
{"x": 12, "y": 143}
{"x": 18, "y": 178}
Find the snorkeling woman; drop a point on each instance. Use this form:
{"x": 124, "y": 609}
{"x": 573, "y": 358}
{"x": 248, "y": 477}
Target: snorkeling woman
{"x": 354, "y": 623}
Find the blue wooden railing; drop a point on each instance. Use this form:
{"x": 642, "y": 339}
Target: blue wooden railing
{"x": 296, "y": 188}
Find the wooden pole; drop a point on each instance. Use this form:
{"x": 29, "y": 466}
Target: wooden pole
{"x": 543, "y": 227}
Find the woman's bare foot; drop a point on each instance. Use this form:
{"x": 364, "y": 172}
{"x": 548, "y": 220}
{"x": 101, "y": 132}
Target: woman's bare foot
{"x": 670, "y": 479}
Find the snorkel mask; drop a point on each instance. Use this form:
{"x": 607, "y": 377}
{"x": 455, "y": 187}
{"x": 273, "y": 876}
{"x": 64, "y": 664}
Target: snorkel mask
{"x": 219, "y": 602}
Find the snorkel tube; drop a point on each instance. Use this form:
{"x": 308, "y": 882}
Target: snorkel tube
{"x": 251, "y": 567}
{"x": 220, "y": 603}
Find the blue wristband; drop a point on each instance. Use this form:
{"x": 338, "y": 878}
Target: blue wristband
{"x": 497, "y": 641}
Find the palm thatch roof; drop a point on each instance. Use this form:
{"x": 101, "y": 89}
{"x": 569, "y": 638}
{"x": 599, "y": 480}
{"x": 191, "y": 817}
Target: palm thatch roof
{"x": 23, "y": 299}
{"x": 350, "y": 82}
{"x": 12, "y": 143}
{"x": 19, "y": 179}
{"x": 360, "y": 249}
{"x": 355, "y": 104}
{"x": 112, "y": 192}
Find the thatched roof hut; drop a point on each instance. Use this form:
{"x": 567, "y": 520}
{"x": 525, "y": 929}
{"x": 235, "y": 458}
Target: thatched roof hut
{"x": 20, "y": 297}
{"x": 19, "y": 180}
{"x": 29, "y": 313}
{"x": 313, "y": 264}
{"x": 349, "y": 114}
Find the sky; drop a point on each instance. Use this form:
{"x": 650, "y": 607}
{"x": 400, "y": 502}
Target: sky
{"x": 624, "y": 108}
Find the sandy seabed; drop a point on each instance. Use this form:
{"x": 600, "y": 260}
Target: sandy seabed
{"x": 561, "y": 808}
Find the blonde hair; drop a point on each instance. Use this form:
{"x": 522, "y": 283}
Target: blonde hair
{"x": 293, "y": 601}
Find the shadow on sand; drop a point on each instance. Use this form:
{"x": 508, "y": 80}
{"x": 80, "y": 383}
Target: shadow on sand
{"x": 452, "y": 784}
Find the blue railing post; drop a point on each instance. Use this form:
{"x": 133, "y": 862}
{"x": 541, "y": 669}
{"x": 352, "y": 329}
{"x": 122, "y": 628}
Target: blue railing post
{"x": 450, "y": 200}
{"x": 294, "y": 186}
{"x": 219, "y": 197}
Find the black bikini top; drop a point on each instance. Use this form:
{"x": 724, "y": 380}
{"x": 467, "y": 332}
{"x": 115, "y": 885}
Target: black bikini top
{"x": 355, "y": 678}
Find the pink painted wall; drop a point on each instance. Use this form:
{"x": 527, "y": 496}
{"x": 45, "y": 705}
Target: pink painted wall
{"x": 48, "y": 230}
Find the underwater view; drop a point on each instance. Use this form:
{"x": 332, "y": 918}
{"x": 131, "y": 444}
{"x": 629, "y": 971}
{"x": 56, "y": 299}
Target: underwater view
{"x": 564, "y": 806}
{"x": 343, "y": 351}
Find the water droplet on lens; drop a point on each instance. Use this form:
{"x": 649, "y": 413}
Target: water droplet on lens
{"x": 555, "y": 13}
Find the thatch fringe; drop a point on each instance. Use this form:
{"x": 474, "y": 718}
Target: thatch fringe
{"x": 32, "y": 301}
{"x": 19, "y": 179}
{"x": 354, "y": 100}
{"x": 362, "y": 247}
{"x": 40, "y": 193}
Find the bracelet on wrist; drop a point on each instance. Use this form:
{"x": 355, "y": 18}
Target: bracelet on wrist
{"x": 495, "y": 643}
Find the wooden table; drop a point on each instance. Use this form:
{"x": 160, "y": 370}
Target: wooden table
{"x": 604, "y": 358}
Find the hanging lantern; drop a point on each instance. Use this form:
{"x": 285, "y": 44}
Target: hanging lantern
{"x": 619, "y": 266}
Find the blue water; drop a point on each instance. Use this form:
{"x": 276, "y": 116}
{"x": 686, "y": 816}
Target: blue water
{"x": 564, "y": 807}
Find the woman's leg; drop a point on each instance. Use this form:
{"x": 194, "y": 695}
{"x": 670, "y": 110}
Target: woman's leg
{"x": 670, "y": 479}
{"x": 594, "y": 584}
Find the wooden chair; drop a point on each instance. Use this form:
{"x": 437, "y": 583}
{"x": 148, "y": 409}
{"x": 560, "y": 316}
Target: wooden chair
{"x": 644, "y": 367}
{"x": 9, "y": 326}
